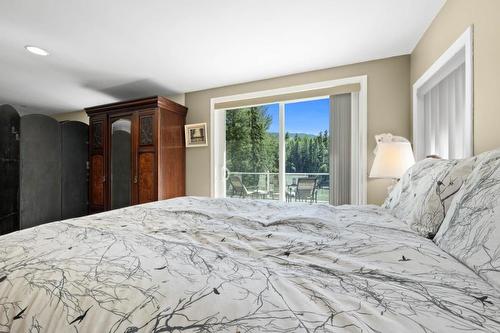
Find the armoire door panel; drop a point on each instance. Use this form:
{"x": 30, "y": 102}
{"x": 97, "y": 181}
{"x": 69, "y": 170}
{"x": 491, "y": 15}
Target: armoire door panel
{"x": 121, "y": 161}
{"x": 97, "y": 130}
{"x": 146, "y": 177}
{"x": 146, "y": 130}
{"x": 97, "y": 179}
{"x": 98, "y": 168}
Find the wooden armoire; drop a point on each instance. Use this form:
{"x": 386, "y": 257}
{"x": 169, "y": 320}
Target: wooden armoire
{"x": 136, "y": 152}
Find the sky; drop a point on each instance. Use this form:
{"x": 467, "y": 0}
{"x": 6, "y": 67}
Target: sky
{"x": 310, "y": 117}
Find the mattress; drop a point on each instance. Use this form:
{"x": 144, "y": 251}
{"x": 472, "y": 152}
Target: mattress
{"x": 195, "y": 264}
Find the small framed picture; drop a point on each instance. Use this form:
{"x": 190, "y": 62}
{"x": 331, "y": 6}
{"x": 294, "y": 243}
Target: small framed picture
{"x": 196, "y": 135}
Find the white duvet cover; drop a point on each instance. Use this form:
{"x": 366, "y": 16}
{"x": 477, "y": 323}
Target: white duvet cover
{"x": 226, "y": 265}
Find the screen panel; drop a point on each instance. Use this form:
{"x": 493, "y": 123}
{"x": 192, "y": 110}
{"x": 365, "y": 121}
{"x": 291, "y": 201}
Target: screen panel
{"x": 40, "y": 172}
{"x": 74, "y": 142}
{"x": 9, "y": 164}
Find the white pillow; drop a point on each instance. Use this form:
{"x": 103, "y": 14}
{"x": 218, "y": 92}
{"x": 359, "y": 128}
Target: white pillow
{"x": 471, "y": 229}
{"x": 423, "y": 196}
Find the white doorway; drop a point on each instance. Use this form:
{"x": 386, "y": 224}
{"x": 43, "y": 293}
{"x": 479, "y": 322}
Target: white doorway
{"x": 274, "y": 177}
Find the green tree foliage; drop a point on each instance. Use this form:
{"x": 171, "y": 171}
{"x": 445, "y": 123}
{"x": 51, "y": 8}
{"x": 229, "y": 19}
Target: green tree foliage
{"x": 307, "y": 153}
{"x": 251, "y": 148}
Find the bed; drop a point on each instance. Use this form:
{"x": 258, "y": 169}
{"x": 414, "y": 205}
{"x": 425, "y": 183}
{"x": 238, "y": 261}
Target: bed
{"x": 195, "y": 264}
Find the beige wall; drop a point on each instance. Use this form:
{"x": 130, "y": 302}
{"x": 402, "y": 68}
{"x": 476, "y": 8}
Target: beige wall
{"x": 388, "y": 111}
{"x": 449, "y": 24}
{"x": 76, "y": 116}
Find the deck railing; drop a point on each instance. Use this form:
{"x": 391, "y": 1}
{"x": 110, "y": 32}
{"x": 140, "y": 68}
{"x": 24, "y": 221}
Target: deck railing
{"x": 267, "y": 183}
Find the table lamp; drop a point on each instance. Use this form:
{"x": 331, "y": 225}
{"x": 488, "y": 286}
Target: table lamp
{"x": 392, "y": 160}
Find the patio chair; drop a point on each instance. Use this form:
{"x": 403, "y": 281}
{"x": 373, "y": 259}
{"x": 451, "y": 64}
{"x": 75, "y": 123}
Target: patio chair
{"x": 237, "y": 187}
{"x": 261, "y": 191}
{"x": 306, "y": 189}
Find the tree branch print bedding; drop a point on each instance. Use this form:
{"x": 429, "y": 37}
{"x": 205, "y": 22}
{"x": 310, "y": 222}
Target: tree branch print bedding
{"x": 230, "y": 265}
{"x": 423, "y": 195}
{"x": 471, "y": 229}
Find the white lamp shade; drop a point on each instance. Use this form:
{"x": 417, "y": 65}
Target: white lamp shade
{"x": 392, "y": 160}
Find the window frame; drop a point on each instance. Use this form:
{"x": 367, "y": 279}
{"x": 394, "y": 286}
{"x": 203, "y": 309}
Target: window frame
{"x": 358, "y": 143}
{"x": 460, "y": 52}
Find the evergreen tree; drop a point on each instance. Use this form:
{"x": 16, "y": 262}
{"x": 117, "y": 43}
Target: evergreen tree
{"x": 251, "y": 148}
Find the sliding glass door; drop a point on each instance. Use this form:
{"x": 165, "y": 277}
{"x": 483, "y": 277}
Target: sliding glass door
{"x": 307, "y": 145}
{"x": 302, "y": 143}
{"x": 279, "y": 151}
{"x": 252, "y": 152}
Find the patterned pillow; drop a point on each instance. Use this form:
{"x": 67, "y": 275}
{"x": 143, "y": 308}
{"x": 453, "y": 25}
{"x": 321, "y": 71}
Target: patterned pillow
{"x": 453, "y": 180}
{"x": 471, "y": 229}
{"x": 423, "y": 196}
{"x": 400, "y": 191}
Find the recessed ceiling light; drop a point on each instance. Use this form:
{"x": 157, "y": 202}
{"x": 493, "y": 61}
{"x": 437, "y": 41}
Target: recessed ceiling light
{"x": 36, "y": 50}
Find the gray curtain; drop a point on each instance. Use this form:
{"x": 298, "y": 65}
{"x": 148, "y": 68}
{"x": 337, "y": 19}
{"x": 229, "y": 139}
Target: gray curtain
{"x": 340, "y": 149}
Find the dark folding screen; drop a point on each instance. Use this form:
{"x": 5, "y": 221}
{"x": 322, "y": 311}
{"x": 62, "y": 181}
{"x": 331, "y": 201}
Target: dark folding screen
{"x": 9, "y": 169}
{"x": 40, "y": 172}
{"x": 74, "y": 143}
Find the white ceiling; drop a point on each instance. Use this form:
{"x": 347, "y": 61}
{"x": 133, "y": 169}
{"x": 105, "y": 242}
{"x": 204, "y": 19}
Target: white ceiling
{"x": 107, "y": 50}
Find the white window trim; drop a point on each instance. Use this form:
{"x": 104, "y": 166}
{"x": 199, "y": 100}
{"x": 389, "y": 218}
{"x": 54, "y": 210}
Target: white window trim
{"x": 282, "y": 152}
{"x": 461, "y": 51}
{"x": 358, "y": 142}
